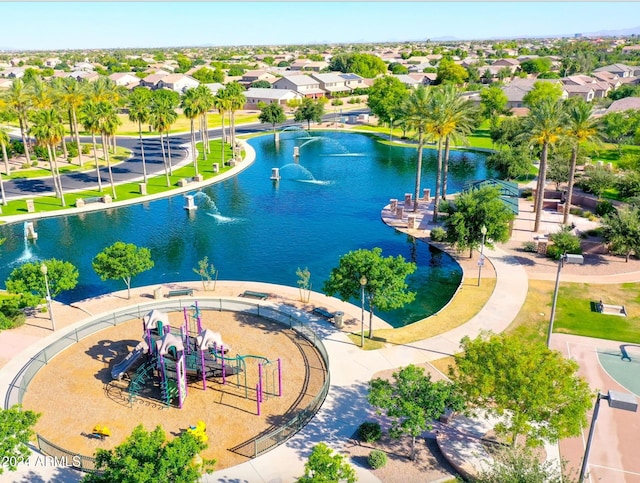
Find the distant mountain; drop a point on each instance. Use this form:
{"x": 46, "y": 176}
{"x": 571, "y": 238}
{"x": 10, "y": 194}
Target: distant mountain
{"x": 446, "y": 38}
{"x": 614, "y": 33}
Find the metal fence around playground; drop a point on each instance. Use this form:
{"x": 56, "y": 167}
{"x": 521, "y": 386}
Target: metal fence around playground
{"x": 293, "y": 320}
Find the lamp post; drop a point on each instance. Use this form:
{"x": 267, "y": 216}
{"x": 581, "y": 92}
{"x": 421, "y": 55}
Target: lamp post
{"x": 363, "y": 283}
{"x": 44, "y": 270}
{"x": 483, "y": 230}
{"x": 566, "y": 258}
{"x": 617, "y": 400}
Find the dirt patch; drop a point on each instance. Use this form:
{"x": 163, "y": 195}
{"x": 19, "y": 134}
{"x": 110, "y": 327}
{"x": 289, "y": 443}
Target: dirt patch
{"x": 74, "y": 391}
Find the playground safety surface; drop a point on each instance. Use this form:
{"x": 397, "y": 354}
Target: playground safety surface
{"x": 74, "y": 392}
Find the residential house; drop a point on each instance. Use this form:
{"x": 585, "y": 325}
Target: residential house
{"x": 84, "y": 76}
{"x": 251, "y": 76}
{"x": 612, "y": 79}
{"x": 14, "y": 73}
{"x": 151, "y": 81}
{"x": 303, "y": 84}
{"x": 624, "y": 104}
{"x": 84, "y": 66}
{"x": 621, "y": 70}
{"x": 425, "y": 78}
{"x": 518, "y": 88}
{"x": 6, "y": 83}
{"x": 126, "y": 79}
{"x": 407, "y": 80}
{"x": 353, "y": 81}
{"x": 332, "y": 84}
{"x": 600, "y": 88}
{"x": 255, "y": 95}
{"x": 512, "y": 64}
{"x": 585, "y": 91}
{"x": 52, "y": 62}
{"x": 214, "y": 87}
{"x": 177, "y": 83}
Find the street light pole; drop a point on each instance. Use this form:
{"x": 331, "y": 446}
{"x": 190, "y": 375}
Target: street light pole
{"x": 566, "y": 258}
{"x": 483, "y": 230}
{"x": 44, "y": 270}
{"x": 363, "y": 282}
{"x": 617, "y": 400}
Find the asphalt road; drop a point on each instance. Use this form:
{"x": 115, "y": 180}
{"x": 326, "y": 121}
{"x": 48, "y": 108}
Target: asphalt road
{"x": 131, "y": 168}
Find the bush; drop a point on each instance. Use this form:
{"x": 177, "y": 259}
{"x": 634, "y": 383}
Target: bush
{"x": 576, "y": 211}
{"x": 377, "y": 459}
{"x": 26, "y": 165}
{"x": 34, "y": 164}
{"x": 530, "y": 246}
{"x": 337, "y": 102}
{"x": 72, "y": 150}
{"x": 526, "y": 193}
{"x": 563, "y": 242}
{"x": 369, "y": 432}
{"x": 605, "y": 208}
{"x": 85, "y": 149}
{"x": 41, "y": 152}
{"x": 438, "y": 234}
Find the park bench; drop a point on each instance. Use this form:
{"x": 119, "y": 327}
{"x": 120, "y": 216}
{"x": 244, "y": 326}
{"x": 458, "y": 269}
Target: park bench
{"x": 255, "y": 295}
{"x": 180, "y": 292}
{"x": 323, "y": 313}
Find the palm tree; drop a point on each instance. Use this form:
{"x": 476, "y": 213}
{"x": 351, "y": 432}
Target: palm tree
{"x": 222, "y": 104}
{"x": 4, "y": 140}
{"x": 206, "y": 103}
{"x": 139, "y": 112}
{"x": 90, "y": 118}
{"x": 581, "y": 128}
{"x": 237, "y": 101}
{"x": 192, "y": 110}
{"x": 108, "y": 123}
{"x": 19, "y": 102}
{"x": 438, "y": 127}
{"x": 415, "y": 112}
{"x": 48, "y": 130}
{"x": 72, "y": 95}
{"x": 161, "y": 117}
{"x": 543, "y": 126}
{"x": 459, "y": 112}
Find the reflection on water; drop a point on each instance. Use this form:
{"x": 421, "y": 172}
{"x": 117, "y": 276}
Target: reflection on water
{"x": 254, "y": 229}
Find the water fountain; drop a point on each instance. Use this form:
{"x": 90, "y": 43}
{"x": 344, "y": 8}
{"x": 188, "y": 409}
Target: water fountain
{"x": 275, "y": 174}
{"x": 190, "y": 203}
{"x": 30, "y": 231}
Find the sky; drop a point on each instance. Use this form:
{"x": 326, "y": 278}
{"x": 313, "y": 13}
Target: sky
{"x": 91, "y": 25}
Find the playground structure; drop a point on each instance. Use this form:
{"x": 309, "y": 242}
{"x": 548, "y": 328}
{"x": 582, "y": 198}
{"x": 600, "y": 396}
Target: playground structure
{"x": 177, "y": 356}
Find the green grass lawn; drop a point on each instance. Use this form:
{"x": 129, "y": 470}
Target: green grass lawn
{"x": 573, "y": 311}
{"x": 127, "y": 191}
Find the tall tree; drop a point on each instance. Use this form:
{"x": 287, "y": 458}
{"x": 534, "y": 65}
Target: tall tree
{"x": 48, "y": 130}
{"x": 122, "y": 261}
{"x": 206, "y": 102}
{"x": 415, "y": 111}
{"x": 535, "y": 390}
{"x": 90, "y": 119}
{"x": 412, "y": 401}
{"x": 309, "y": 110}
{"x": 580, "y": 128}
{"x": 543, "y": 92}
{"x": 237, "y": 100}
{"x": 108, "y": 121}
{"x": 460, "y": 114}
{"x": 470, "y": 211}
{"x": 384, "y": 98}
{"x": 222, "y": 104}
{"x": 19, "y": 102}
{"x": 438, "y": 128}
{"x": 272, "y": 114}
{"x": 139, "y": 112}
{"x": 386, "y": 286}
{"x": 162, "y": 115}
{"x": 451, "y": 73}
{"x": 543, "y": 126}
{"x": 190, "y": 104}
{"x": 493, "y": 102}
{"x": 72, "y": 96}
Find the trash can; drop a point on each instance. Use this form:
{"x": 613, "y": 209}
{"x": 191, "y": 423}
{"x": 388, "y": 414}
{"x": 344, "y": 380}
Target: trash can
{"x": 157, "y": 293}
{"x": 337, "y": 319}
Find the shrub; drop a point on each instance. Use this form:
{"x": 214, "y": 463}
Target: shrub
{"x": 530, "y": 246}
{"x": 41, "y": 152}
{"x": 377, "y": 459}
{"x": 526, "y": 193}
{"x": 605, "y": 208}
{"x": 594, "y": 232}
{"x": 26, "y": 165}
{"x": 337, "y": 102}
{"x": 369, "y": 431}
{"x": 72, "y": 150}
{"x": 576, "y": 211}
{"x": 85, "y": 149}
{"x": 438, "y": 234}
{"x": 563, "y": 242}
{"x": 34, "y": 164}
